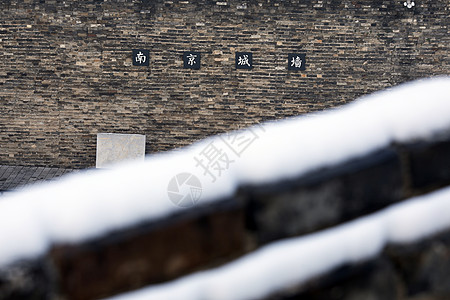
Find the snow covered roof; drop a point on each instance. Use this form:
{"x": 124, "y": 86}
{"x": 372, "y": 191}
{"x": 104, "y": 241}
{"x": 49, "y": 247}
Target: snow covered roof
{"x": 90, "y": 204}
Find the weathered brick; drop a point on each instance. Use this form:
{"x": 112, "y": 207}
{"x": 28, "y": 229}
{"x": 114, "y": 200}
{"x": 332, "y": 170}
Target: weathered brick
{"x": 66, "y": 70}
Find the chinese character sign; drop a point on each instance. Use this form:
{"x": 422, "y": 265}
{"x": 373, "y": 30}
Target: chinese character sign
{"x": 244, "y": 60}
{"x": 191, "y": 60}
{"x": 141, "y": 57}
{"x": 296, "y": 61}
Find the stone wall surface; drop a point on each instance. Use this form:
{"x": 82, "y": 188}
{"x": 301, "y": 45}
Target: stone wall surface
{"x": 66, "y": 69}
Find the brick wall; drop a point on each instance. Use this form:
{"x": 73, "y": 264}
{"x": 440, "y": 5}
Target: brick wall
{"x": 66, "y": 69}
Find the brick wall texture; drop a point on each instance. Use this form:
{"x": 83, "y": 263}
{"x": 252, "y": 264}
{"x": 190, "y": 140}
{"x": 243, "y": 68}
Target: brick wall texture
{"x": 66, "y": 69}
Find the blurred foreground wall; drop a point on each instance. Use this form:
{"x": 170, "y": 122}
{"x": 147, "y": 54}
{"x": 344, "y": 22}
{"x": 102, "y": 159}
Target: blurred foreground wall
{"x": 209, "y": 235}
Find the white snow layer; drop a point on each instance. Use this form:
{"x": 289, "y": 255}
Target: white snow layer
{"x": 92, "y": 203}
{"x": 293, "y": 261}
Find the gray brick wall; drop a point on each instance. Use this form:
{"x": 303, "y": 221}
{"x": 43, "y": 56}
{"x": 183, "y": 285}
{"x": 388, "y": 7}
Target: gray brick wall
{"x": 66, "y": 69}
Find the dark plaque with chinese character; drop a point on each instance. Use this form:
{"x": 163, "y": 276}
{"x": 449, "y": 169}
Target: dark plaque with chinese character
{"x": 141, "y": 57}
{"x": 296, "y": 61}
{"x": 191, "y": 60}
{"x": 244, "y": 60}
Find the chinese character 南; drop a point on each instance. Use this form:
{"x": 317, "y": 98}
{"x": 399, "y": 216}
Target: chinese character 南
{"x": 296, "y": 61}
{"x": 213, "y": 161}
{"x": 244, "y": 60}
{"x": 191, "y": 60}
{"x": 141, "y": 57}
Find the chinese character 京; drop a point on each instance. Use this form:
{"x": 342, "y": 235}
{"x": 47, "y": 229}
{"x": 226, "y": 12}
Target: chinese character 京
{"x": 191, "y": 60}
{"x": 141, "y": 57}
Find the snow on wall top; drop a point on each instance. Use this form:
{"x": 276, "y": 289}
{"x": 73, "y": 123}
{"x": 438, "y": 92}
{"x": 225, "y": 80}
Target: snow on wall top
{"x": 293, "y": 261}
{"x": 91, "y": 203}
